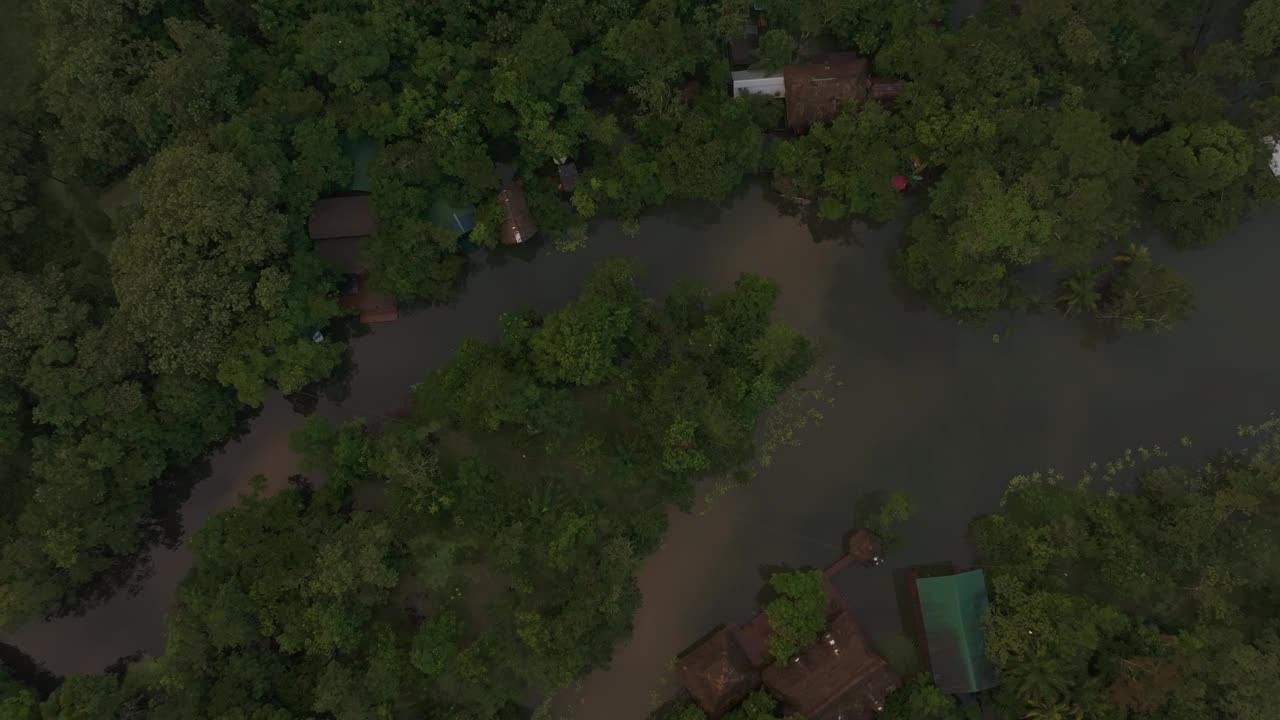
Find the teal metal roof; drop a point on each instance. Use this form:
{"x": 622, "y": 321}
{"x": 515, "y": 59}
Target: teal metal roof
{"x": 953, "y": 608}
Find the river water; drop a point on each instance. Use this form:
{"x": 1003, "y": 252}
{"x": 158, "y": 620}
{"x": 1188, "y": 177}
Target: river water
{"x": 942, "y": 411}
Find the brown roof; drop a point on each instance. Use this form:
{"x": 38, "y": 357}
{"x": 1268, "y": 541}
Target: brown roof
{"x": 342, "y": 216}
{"x": 717, "y": 673}
{"x": 864, "y": 546}
{"x": 342, "y": 252}
{"x": 518, "y": 225}
{"x": 374, "y": 307}
{"x": 836, "y": 678}
{"x": 886, "y": 90}
{"x": 815, "y": 90}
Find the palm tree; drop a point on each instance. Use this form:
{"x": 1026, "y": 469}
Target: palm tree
{"x": 1038, "y": 679}
{"x": 1055, "y": 710}
{"x": 1078, "y": 292}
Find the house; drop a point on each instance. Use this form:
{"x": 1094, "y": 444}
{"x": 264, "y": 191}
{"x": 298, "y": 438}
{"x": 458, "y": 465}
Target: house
{"x": 342, "y": 216}
{"x": 517, "y": 224}
{"x": 757, "y": 82}
{"x": 814, "y": 91}
{"x": 742, "y": 48}
{"x": 718, "y": 673}
{"x": 568, "y": 173}
{"x": 952, "y": 609}
{"x": 1274, "y": 143}
{"x": 339, "y": 226}
{"x": 838, "y": 677}
{"x": 886, "y": 90}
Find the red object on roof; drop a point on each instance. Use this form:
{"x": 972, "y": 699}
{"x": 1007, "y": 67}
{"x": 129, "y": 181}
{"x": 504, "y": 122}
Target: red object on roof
{"x": 899, "y": 183}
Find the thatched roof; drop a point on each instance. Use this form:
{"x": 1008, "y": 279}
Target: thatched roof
{"x": 815, "y": 90}
{"x": 341, "y": 216}
{"x": 518, "y": 225}
{"x": 837, "y": 677}
{"x": 717, "y": 673}
{"x": 864, "y": 546}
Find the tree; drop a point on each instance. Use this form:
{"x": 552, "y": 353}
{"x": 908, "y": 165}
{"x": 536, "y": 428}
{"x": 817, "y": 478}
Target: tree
{"x": 1192, "y": 170}
{"x": 1092, "y": 617}
{"x": 797, "y": 615}
{"x": 776, "y": 49}
{"x": 1144, "y": 295}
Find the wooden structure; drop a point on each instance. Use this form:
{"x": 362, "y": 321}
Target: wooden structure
{"x": 568, "y": 176}
{"x": 838, "y": 677}
{"x": 718, "y": 673}
{"x": 342, "y": 216}
{"x": 886, "y": 90}
{"x": 864, "y": 547}
{"x": 815, "y": 91}
{"x": 742, "y": 48}
{"x": 339, "y": 226}
{"x": 517, "y": 224}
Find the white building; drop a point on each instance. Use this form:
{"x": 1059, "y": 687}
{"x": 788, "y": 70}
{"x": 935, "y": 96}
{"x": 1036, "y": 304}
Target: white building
{"x": 1275, "y": 152}
{"x": 758, "y": 82}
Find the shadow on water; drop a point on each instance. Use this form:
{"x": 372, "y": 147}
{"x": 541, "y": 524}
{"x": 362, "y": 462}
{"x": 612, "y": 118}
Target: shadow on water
{"x": 24, "y": 668}
{"x": 337, "y": 387}
{"x": 162, "y": 528}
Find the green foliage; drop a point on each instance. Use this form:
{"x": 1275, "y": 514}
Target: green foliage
{"x": 920, "y": 700}
{"x": 896, "y": 509}
{"x": 776, "y": 50}
{"x": 486, "y": 547}
{"x": 850, "y": 163}
{"x": 1196, "y": 173}
{"x": 1145, "y": 603}
{"x": 797, "y": 615}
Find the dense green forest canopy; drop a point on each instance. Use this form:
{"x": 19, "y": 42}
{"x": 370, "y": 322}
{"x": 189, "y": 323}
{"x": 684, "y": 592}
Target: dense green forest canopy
{"x": 1044, "y": 135}
{"x": 484, "y": 549}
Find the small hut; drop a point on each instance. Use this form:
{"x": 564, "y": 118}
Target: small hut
{"x": 517, "y": 225}
{"x": 718, "y": 674}
{"x": 339, "y": 226}
{"x": 864, "y": 547}
{"x": 814, "y": 91}
{"x": 742, "y": 48}
{"x": 568, "y": 176}
{"x": 838, "y": 677}
{"x": 341, "y": 216}
{"x": 886, "y": 90}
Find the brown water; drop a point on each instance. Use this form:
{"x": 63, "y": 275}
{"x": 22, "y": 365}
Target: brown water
{"x": 928, "y": 406}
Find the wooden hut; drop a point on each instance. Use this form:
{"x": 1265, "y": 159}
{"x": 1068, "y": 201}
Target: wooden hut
{"x": 864, "y": 547}
{"x": 838, "y": 677}
{"x": 339, "y": 226}
{"x": 718, "y": 674}
{"x": 814, "y": 91}
{"x": 517, "y": 224}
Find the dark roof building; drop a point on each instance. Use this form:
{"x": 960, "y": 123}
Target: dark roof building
{"x": 742, "y": 48}
{"x": 718, "y": 674}
{"x": 341, "y": 216}
{"x": 517, "y": 225}
{"x": 814, "y": 91}
{"x": 952, "y": 609}
{"x": 339, "y": 226}
{"x": 568, "y": 176}
{"x": 838, "y": 677}
{"x": 886, "y": 90}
